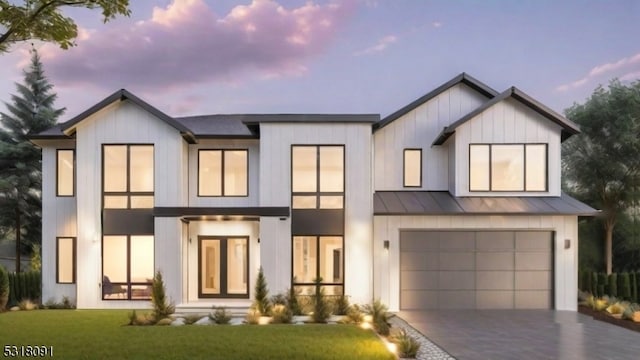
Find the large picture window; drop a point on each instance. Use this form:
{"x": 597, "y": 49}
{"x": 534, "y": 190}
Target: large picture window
{"x": 128, "y": 172}
{"x": 508, "y": 167}
{"x": 412, "y": 163}
{"x": 223, "y": 172}
{"x": 65, "y": 173}
{"x": 127, "y": 267}
{"x": 317, "y": 177}
{"x": 318, "y": 257}
{"x": 66, "y": 260}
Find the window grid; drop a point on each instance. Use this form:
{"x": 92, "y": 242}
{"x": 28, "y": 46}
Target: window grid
{"x": 127, "y": 193}
{"x": 318, "y": 194}
{"x": 223, "y": 171}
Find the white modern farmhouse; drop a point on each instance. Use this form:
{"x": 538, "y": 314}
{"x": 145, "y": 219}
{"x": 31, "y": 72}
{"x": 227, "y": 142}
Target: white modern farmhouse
{"x": 453, "y": 201}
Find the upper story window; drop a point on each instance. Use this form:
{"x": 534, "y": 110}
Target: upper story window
{"x": 65, "y": 175}
{"x": 223, "y": 172}
{"x": 508, "y": 167}
{"x": 317, "y": 176}
{"x": 127, "y": 176}
{"x": 412, "y": 162}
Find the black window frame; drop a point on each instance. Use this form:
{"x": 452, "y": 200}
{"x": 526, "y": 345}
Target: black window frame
{"x": 73, "y": 257}
{"x": 222, "y": 173}
{"x": 73, "y": 176}
{"x": 318, "y": 194}
{"x": 128, "y": 193}
{"x": 524, "y": 166}
{"x": 223, "y": 269}
{"x": 129, "y": 284}
{"x": 313, "y": 284}
{"x": 404, "y": 167}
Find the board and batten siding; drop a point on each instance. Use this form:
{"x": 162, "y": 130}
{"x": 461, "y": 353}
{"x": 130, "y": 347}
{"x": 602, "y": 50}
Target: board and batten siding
{"x": 58, "y": 220}
{"x": 387, "y": 262}
{"x": 275, "y": 190}
{"x": 121, "y": 123}
{"x": 252, "y": 199}
{"x": 418, "y": 129}
{"x": 507, "y": 122}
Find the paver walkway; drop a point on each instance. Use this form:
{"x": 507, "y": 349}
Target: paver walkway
{"x": 524, "y": 334}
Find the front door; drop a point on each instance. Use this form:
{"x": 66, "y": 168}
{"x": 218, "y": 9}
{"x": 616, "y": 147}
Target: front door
{"x": 223, "y": 267}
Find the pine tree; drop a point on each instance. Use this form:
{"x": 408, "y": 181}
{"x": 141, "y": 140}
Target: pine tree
{"x": 31, "y": 111}
{"x": 261, "y": 298}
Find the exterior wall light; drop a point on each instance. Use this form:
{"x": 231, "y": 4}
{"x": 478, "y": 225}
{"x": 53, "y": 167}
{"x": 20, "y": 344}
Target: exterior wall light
{"x": 386, "y": 244}
{"x": 567, "y": 243}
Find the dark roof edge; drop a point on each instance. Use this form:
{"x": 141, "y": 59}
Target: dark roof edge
{"x": 252, "y": 119}
{"x": 122, "y": 95}
{"x": 461, "y": 78}
{"x": 586, "y": 214}
{"x": 275, "y": 211}
{"x": 568, "y": 126}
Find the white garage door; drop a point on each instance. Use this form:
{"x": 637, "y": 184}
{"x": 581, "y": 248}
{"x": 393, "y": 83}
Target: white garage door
{"x": 476, "y": 270}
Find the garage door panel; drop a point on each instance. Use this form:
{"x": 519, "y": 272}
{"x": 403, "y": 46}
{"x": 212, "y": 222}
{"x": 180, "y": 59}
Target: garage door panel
{"x": 533, "y": 261}
{"x": 494, "y": 299}
{"x": 533, "y": 240}
{"x": 417, "y": 240}
{"x": 419, "y": 280}
{"x": 457, "y": 261}
{"x": 494, "y": 280}
{"x": 456, "y": 280}
{"x": 419, "y": 261}
{"x": 418, "y": 300}
{"x": 494, "y": 240}
{"x": 455, "y": 240}
{"x": 533, "y": 280}
{"x": 457, "y": 299}
{"x": 533, "y": 299}
{"x": 495, "y": 261}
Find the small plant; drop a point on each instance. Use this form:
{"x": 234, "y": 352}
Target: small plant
{"x": 253, "y": 317}
{"x": 162, "y": 307}
{"x": 354, "y": 314}
{"x": 4, "y": 288}
{"x": 407, "y": 346}
{"x": 220, "y": 315}
{"x": 379, "y": 316}
{"x": 140, "y": 319}
{"x": 341, "y": 305}
{"x": 292, "y": 302}
{"x": 27, "y": 304}
{"x": 615, "y": 309}
{"x": 281, "y": 314}
{"x": 67, "y": 304}
{"x": 261, "y": 299}
{"x": 191, "y": 319}
{"x": 279, "y": 299}
{"x": 321, "y": 310}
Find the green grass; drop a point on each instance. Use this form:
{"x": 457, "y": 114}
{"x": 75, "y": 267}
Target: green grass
{"x": 101, "y": 334}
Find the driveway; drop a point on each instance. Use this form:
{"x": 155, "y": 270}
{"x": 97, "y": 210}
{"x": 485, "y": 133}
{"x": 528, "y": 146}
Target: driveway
{"x": 524, "y": 334}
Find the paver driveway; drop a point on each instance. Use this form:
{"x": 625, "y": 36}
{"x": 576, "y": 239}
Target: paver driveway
{"x": 524, "y": 334}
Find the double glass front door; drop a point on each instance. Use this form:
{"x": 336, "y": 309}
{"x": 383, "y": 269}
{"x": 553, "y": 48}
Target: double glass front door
{"x": 224, "y": 266}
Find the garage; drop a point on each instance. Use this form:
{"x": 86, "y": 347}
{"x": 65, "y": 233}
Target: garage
{"x": 476, "y": 269}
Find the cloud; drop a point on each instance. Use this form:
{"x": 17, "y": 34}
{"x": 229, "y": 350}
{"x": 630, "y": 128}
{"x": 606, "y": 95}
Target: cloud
{"x": 186, "y": 43}
{"x": 626, "y": 68}
{"x": 381, "y": 45}
{"x": 436, "y": 24}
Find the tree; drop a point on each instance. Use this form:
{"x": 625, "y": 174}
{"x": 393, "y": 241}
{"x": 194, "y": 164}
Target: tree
{"x": 30, "y": 112}
{"x": 602, "y": 165}
{"x": 261, "y": 297}
{"x": 43, "y": 20}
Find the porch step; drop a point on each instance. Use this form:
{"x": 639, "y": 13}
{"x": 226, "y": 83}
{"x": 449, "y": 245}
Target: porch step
{"x": 200, "y": 308}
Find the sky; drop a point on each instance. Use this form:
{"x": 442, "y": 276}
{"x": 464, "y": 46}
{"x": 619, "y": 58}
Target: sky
{"x": 192, "y": 57}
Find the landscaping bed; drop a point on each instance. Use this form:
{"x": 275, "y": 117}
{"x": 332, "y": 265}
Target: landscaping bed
{"x": 604, "y": 316}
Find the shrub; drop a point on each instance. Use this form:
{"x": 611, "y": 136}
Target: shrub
{"x": 27, "y": 304}
{"x": 613, "y": 284}
{"x": 354, "y": 314}
{"x": 281, "y": 314}
{"x": 141, "y": 319}
{"x": 292, "y": 301}
{"x": 253, "y": 317}
{"x": 407, "y": 346}
{"x": 624, "y": 286}
{"x": 321, "y": 310}
{"x": 220, "y": 315}
{"x": 602, "y": 284}
{"x": 615, "y": 309}
{"x": 65, "y": 304}
{"x": 341, "y": 306}
{"x": 36, "y": 258}
{"x": 4, "y": 288}
{"x": 261, "y": 299}
{"x": 379, "y": 316}
{"x": 634, "y": 286}
{"x": 190, "y": 319}
{"x": 162, "y": 307}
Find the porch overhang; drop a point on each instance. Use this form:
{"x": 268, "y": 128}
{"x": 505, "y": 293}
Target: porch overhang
{"x": 222, "y": 213}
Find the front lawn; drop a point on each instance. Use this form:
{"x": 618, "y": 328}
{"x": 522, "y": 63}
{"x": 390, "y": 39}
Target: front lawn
{"x": 100, "y": 334}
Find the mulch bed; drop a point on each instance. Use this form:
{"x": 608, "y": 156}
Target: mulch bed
{"x": 603, "y": 316}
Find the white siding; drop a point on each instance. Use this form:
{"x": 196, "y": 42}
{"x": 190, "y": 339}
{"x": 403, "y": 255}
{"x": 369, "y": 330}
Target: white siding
{"x": 418, "y": 129}
{"x": 168, "y": 255}
{"x": 506, "y": 122}
{"x": 275, "y": 190}
{"x": 387, "y": 262}
{"x": 119, "y": 123}
{"x": 58, "y": 220}
{"x": 252, "y": 146}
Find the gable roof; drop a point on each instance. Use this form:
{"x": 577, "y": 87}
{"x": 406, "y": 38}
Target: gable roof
{"x": 568, "y": 127}
{"x": 68, "y": 127}
{"x": 463, "y": 78}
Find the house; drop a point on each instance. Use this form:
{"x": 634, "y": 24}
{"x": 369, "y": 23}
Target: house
{"x": 453, "y": 201}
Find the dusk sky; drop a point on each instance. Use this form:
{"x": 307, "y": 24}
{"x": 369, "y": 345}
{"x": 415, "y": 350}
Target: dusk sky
{"x": 190, "y": 57}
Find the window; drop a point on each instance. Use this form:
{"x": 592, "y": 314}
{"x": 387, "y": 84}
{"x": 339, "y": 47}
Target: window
{"x": 65, "y": 172}
{"x": 128, "y": 176}
{"x": 412, "y": 162}
{"x": 317, "y": 177}
{"x": 127, "y": 267}
{"x": 508, "y": 167}
{"x": 224, "y": 267}
{"x": 223, "y": 172}
{"x": 66, "y": 260}
{"x": 318, "y": 257}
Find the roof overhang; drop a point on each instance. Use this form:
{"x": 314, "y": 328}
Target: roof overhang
{"x": 223, "y": 213}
